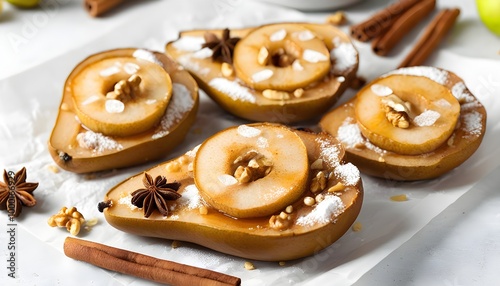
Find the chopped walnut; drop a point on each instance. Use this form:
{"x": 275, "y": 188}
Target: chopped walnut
{"x": 337, "y": 19}
{"x": 263, "y": 56}
{"x": 318, "y": 183}
{"x": 281, "y": 221}
{"x": 125, "y": 90}
{"x": 298, "y": 92}
{"x": 70, "y": 218}
{"x": 275, "y": 94}
{"x": 336, "y": 188}
{"x": 226, "y": 69}
{"x": 249, "y": 265}
{"x": 251, "y": 166}
{"x": 396, "y": 111}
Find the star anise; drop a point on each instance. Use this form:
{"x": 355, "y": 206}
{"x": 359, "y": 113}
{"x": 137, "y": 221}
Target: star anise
{"x": 222, "y": 47}
{"x": 155, "y": 195}
{"x": 15, "y": 192}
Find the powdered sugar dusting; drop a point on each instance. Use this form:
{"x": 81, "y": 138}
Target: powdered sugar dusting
{"x": 127, "y": 200}
{"x": 473, "y": 123}
{"x": 350, "y": 136}
{"x": 189, "y": 43}
{"x": 348, "y": 173}
{"x": 114, "y": 106}
{"x": 324, "y": 212}
{"x": 131, "y": 68}
{"x": 442, "y": 103}
{"x": 381, "y": 90}
{"x": 232, "y": 89}
{"x": 461, "y": 93}
{"x": 437, "y": 75}
{"x": 305, "y": 35}
{"x": 180, "y": 103}
{"x": 426, "y": 118}
{"x": 344, "y": 56}
{"x": 329, "y": 152}
{"x": 109, "y": 71}
{"x": 262, "y": 75}
{"x": 191, "y": 197}
{"x": 147, "y": 56}
{"x": 262, "y": 142}
{"x": 296, "y": 66}
{"x": 187, "y": 62}
{"x": 248, "y": 131}
{"x": 227, "y": 180}
{"x": 97, "y": 142}
{"x": 278, "y": 35}
{"x": 313, "y": 56}
{"x": 203, "y": 53}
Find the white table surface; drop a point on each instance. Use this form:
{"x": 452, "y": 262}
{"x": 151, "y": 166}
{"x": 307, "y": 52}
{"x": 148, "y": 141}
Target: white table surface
{"x": 457, "y": 244}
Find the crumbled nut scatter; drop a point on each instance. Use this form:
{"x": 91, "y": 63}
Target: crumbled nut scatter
{"x": 70, "y": 218}
{"x": 399, "y": 198}
{"x": 249, "y": 265}
{"x": 357, "y": 226}
{"x": 337, "y": 19}
{"x": 175, "y": 244}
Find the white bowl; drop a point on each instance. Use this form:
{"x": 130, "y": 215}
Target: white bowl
{"x": 312, "y": 5}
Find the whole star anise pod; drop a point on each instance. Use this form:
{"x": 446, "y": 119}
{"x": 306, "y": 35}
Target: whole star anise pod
{"x": 222, "y": 48}
{"x": 155, "y": 195}
{"x": 15, "y": 192}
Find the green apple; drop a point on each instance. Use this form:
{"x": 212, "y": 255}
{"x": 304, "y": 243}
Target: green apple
{"x": 24, "y": 3}
{"x": 489, "y": 11}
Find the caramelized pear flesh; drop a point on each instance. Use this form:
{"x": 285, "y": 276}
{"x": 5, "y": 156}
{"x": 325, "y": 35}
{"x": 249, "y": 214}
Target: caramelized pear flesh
{"x": 252, "y": 171}
{"x": 102, "y": 110}
{"x": 296, "y": 230}
{"x": 465, "y": 137}
{"x": 265, "y": 88}
{"x": 77, "y": 148}
{"x": 432, "y": 113}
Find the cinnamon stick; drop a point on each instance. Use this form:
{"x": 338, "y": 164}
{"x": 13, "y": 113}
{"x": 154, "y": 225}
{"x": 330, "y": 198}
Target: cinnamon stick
{"x": 381, "y": 21}
{"x": 384, "y": 43}
{"x": 143, "y": 266}
{"x": 433, "y": 34}
{"x": 99, "y": 7}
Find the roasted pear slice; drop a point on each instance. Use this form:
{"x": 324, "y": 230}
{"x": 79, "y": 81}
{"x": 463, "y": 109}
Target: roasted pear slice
{"x": 121, "y": 96}
{"x": 279, "y": 57}
{"x": 326, "y": 207}
{"x": 457, "y": 147}
{"x": 282, "y": 72}
{"x": 252, "y": 171}
{"x": 406, "y": 114}
{"x": 77, "y": 148}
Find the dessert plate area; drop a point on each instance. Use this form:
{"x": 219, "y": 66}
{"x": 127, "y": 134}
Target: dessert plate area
{"x": 446, "y": 233}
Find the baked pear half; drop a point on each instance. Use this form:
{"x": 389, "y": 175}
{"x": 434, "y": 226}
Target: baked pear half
{"x": 120, "y": 108}
{"x": 413, "y": 123}
{"x": 285, "y": 73}
{"x": 260, "y": 191}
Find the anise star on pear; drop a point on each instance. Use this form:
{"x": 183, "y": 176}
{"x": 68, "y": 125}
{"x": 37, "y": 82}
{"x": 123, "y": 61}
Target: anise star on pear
{"x": 222, "y": 47}
{"x": 18, "y": 193}
{"x": 155, "y": 194}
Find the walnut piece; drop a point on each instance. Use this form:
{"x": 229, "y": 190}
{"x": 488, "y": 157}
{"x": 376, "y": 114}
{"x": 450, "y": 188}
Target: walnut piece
{"x": 125, "y": 90}
{"x": 70, "y": 218}
{"x": 318, "y": 183}
{"x": 281, "y": 221}
{"x": 396, "y": 111}
{"x": 263, "y": 56}
{"x": 251, "y": 166}
{"x": 337, "y": 19}
{"x": 275, "y": 94}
